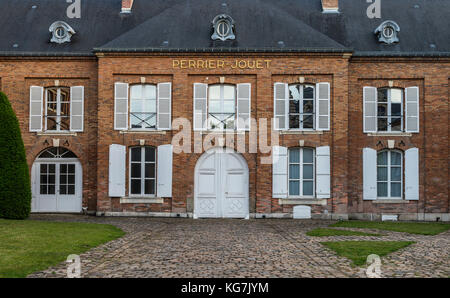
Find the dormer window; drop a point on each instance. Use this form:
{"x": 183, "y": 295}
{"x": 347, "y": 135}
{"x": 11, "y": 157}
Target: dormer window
{"x": 223, "y": 26}
{"x": 387, "y": 32}
{"x": 61, "y": 32}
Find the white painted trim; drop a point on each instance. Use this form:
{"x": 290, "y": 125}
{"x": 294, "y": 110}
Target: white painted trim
{"x": 288, "y": 201}
{"x": 149, "y": 200}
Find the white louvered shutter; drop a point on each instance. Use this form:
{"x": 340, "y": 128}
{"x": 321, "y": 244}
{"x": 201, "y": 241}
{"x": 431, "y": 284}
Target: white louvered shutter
{"x": 369, "y": 174}
{"x": 281, "y": 104}
{"x": 200, "y": 106}
{"x": 76, "y": 108}
{"x": 323, "y": 106}
{"x": 120, "y": 106}
{"x": 412, "y": 109}
{"x": 164, "y": 171}
{"x": 370, "y": 109}
{"x": 164, "y": 114}
{"x": 323, "y": 173}
{"x": 412, "y": 174}
{"x": 243, "y": 106}
{"x": 36, "y": 106}
{"x": 117, "y": 157}
{"x": 279, "y": 172}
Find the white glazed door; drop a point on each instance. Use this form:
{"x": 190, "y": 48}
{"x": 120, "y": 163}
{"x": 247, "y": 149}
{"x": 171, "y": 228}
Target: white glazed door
{"x": 68, "y": 192}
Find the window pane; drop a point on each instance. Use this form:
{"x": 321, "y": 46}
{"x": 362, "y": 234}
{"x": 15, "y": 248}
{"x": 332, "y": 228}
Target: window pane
{"x": 71, "y": 179}
{"x": 396, "y": 109}
{"x": 294, "y": 156}
{"x": 308, "y": 106}
{"x": 382, "y": 124}
{"x": 150, "y": 170}
{"x": 382, "y": 158}
{"x": 382, "y": 109}
{"x": 71, "y": 189}
{"x": 308, "y": 121}
{"x": 44, "y": 179}
{"x": 214, "y": 92}
{"x": 43, "y": 190}
{"x": 149, "y": 92}
{"x": 135, "y": 170}
{"x": 382, "y": 95}
{"x": 382, "y": 174}
{"x": 396, "y": 158}
{"x": 382, "y": 189}
{"x": 396, "y": 189}
{"x": 308, "y": 155}
{"x": 44, "y": 168}
{"x": 396, "y": 174}
{"x": 308, "y": 188}
{"x": 135, "y": 186}
{"x": 149, "y": 187}
{"x": 51, "y": 190}
{"x": 63, "y": 189}
{"x": 136, "y": 154}
{"x": 294, "y": 92}
{"x": 294, "y": 171}
{"x": 294, "y": 188}
{"x": 308, "y": 92}
{"x": 294, "y": 121}
{"x": 396, "y": 124}
{"x": 51, "y": 179}
{"x": 228, "y": 106}
{"x": 136, "y": 92}
{"x": 62, "y": 179}
{"x": 228, "y": 92}
{"x": 307, "y": 171}
{"x": 396, "y": 96}
{"x": 136, "y": 105}
{"x": 294, "y": 106}
{"x": 149, "y": 154}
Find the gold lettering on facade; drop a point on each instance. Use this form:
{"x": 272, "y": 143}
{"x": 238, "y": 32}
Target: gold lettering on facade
{"x": 220, "y": 64}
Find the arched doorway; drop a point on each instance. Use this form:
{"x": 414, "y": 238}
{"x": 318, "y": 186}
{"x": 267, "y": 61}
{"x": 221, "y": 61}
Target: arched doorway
{"x": 221, "y": 185}
{"x": 56, "y": 178}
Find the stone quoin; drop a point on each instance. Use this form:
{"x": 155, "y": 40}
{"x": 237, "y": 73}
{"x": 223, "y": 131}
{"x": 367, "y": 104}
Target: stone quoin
{"x": 350, "y": 115}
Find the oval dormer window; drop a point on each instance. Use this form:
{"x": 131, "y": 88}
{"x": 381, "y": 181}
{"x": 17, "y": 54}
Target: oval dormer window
{"x": 223, "y": 26}
{"x": 60, "y": 32}
{"x": 388, "y": 32}
{"x": 223, "y": 29}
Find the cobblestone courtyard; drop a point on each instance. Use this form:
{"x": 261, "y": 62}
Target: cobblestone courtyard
{"x": 164, "y": 247}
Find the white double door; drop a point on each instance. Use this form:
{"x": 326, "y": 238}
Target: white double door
{"x": 221, "y": 185}
{"x": 57, "y": 186}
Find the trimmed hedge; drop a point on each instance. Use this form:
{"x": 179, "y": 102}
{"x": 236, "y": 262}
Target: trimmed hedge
{"x": 15, "y": 186}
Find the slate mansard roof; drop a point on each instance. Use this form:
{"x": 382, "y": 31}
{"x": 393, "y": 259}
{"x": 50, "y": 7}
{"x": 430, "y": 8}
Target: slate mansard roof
{"x": 260, "y": 26}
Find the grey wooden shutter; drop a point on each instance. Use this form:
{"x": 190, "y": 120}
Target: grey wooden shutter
{"x": 323, "y": 173}
{"x": 280, "y": 104}
{"x": 120, "y": 106}
{"x": 243, "y": 106}
{"x": 36, "y": 106}
{"x": 412, "y": 109}
{"x": 164, "y": 106}
{"x": 76, "y": 108}
{"x": 323, "y": 106}
{"x": 412, "y": 174}
{"x": 369, "y": 174}
{"x": 117, "y": 157}
{"x": 200, "y": 106}
{"x": 164, "y": 171}
{"x": 279, "y": 172}
{"x": 370, "y": 109}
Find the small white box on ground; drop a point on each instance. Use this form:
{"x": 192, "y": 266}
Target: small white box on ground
{"x": 302, "y": 212}
{"x": 389, "y": 217}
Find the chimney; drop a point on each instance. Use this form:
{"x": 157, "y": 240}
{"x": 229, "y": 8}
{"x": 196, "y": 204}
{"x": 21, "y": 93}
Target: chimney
{"x": 330, "y": 6}
{"x": 126, "y": 6}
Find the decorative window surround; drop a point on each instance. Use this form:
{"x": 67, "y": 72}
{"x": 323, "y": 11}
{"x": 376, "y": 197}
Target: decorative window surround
{"x": 300, "y": 201}
{"x": 143, "y": 200}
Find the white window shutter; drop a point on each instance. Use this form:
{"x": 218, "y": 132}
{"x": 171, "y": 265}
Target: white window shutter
{"x": 164, "y": 106}
{"x": 369, "y": 174}
{"x": 370, "y": 109}
{"x": 117, "y": 157}
{"x": 76, "y": 108}
{"x": 323, "y": 106}
{"x": 323, "y": 173}
{"x": 412, "y": 109}
{"x": 243, "y": 106}
{"x": 36, "y": 106}
{"x": 280, "y": 106}
{"x": 279, "y": 172}
{"x": 200, "y": 106}
{"x": 120, "y": 106}
{"x": 412, "y": 174}
{"x": 164, "y": 171}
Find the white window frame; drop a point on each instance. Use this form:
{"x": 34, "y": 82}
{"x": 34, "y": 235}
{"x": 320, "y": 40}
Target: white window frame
{"x": 300, "y": 114}
{"x": 58, "y": 109}
{"x": 208, "y": 106}
{"x": 130, "y": 110}
{"x": 389, "y": 111}
{"x": 142, "y": 163}
{"x": 389, "y": 181}
{"x": 301, "y": 180}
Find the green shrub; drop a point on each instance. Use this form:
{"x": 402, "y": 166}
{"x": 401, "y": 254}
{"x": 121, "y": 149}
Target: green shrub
{"x": 15, "y": 186}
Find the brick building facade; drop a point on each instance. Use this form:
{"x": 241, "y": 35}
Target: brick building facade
{"x": 145, "y": 115}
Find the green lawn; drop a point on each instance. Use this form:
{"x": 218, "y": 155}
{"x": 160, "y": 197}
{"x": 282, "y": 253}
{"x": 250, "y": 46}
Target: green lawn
{"x": 27, "y": 246}
{"x": 422, "y": 228}
{"x": 323, "y": 232}
{"x": 357, "y": 251}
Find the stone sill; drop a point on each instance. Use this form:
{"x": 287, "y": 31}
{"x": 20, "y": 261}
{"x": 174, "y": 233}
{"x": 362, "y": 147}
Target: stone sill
{"x": 151, "y": 132}
{"x": 381, "y": 201}
{"x": 389, "y": 134}
{"x": 128, "y": 200}
{"x": 301, "y": 132}
{"x": 59, "y": 133}
{"x": 288, "y": 201}
{"x": 221, "y": 132}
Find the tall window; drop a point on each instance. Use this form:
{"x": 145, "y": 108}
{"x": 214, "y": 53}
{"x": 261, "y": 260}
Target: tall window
{"x": 142, "y": 171}
{"x": 390, "y": 109}
{"x": 57, "y": 109}
{"x": 301, "y": 172}
{"x": 221, "y": 107}
{"x": 301, "y": 107}
{"x": 389, "y": 174}
{"x": 143, "y": 107}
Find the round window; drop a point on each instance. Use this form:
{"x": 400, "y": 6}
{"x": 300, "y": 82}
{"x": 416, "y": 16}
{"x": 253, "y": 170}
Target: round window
{"x": 60, "y": 32}
{"x": 223, "y": 28}
{"x": 388, "y": 31}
